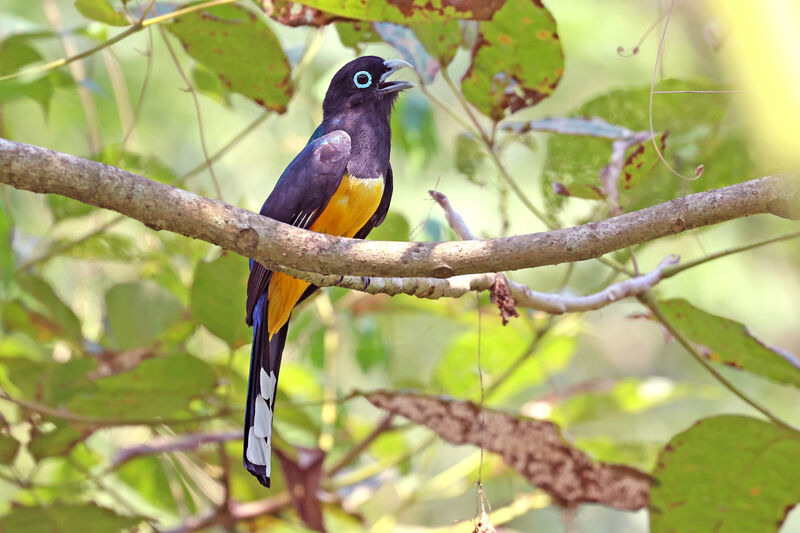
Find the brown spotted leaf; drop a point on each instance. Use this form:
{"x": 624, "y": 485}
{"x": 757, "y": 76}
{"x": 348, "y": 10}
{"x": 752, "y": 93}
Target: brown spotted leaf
{"x": 241, "y": 50}
{"x": 517, "y": 60}
{"x": 728, "y": 474}
{"x": 641, "y": 162}
{"x": 408, "y": 11}
{"x": 534, "y": 448}
{"x": 728, "y": 342}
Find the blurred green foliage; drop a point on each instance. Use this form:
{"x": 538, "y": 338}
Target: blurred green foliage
{"x": 119, "y": 340}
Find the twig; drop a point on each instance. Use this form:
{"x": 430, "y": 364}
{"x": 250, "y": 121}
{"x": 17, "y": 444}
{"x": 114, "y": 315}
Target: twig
{"x": 355, "y": 451}
{"x": 196, "y": 100}
{"x": 95, "y": 421}
{"x": 677, "y": 269}
{"x": 185, "y": 442}
{"x": 699, "y": 170}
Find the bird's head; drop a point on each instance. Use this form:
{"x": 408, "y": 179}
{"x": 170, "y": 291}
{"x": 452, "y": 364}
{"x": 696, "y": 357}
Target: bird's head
{"x": 362, "y": 84}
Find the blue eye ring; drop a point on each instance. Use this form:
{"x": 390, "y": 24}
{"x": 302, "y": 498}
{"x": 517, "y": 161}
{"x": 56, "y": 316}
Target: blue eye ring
{"x": 362, "y": 84}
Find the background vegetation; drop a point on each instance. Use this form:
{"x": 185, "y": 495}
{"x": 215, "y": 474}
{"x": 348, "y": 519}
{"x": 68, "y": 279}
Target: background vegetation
{"x": 124, "y": 353}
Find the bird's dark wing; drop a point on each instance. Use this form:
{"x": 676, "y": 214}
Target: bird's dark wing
{"x": 383, "y": 207}
{"x": 301, "y": 194}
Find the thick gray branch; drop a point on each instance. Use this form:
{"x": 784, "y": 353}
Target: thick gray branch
{"x": 285, "y": 248}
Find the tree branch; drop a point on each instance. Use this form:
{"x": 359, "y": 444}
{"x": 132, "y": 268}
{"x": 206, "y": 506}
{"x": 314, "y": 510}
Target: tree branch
{"x": 288, "y": 249}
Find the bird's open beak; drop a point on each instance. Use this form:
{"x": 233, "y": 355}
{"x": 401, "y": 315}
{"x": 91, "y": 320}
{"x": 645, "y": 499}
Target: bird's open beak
{"x": 392, "y": 66}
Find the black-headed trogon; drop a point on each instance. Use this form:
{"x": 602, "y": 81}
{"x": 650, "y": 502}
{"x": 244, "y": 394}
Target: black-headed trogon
{"x": 340, "y": 184}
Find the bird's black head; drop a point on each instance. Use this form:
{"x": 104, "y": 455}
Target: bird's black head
{"x": 362, "y": 84}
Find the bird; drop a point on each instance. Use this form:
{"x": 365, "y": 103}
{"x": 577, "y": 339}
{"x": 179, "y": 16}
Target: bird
{"x": 341, "y": 184}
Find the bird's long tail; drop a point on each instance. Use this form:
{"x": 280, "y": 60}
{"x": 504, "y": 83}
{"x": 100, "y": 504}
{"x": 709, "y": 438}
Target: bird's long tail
{"x": 265, "y": 362}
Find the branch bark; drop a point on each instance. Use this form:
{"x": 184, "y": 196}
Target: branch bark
{"x": 298, "y": 252}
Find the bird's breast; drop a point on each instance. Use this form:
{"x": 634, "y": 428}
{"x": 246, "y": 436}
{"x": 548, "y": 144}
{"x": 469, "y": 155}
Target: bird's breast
{"x": 351, "y": 206}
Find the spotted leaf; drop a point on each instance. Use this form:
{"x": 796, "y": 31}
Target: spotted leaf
{"x": 728, "y": 342}
{"x": 241, "y": 50}
{"x": 517, "y": 60}
{"x": 726, "y": 474}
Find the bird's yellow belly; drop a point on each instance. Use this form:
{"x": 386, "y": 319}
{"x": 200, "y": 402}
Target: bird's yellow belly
{"x": 353, "y": 203}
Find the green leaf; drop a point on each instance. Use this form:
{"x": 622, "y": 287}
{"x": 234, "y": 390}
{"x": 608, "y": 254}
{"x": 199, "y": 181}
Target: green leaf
{"x": 105, "y": 246}
{"x": 728, "y": 474}
{"x": 404, "y": 12}
{"x": 469, "y": 155}
{"x": 57, "y": 442}
{"x": 517, "y": 62}
{"x": 63, "y": 207}
{"x": 6, "y": 249}
{"x": 101, "y": 11}
{"x": 138, "y": 311}
{"x": 371, "y": 348}
{"x": 16, "y": 316}
{"x": 241, "y": 50}
{"x": 63, "y": 518}
{"x": 153, "y": 487}
{"x": 145, "y": 165}
{"x": 413, "y": 126}
{"x": 352, "y": 34}
{"x": 8, "y": 449}
{"x": 155, "y": 388}
{"x": 52, "y": 306}
{"x": 457, "y": 371}
{"x": 395, "y": 227}
{"x": 441, "y": 40}
{"x": 629, "y": 395}
{"x": 728, "y": 342}
{"x": 207, "y": 83}
{"x": 217, "y": 298}
{"x": 15, "y": 53}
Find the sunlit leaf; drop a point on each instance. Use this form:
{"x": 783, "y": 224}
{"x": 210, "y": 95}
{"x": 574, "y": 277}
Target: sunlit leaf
{"x": 63, "y": 517}
{"x": 241, "y": 50}
{"x": 403, "y": 12}
{"x": 727, "y": 474}
{"x": 101, "y": 11}
{"x": 517, "y": 61}
{"x": 138, "y": 311}
{"x": 216, "y": 303}
{"x": 730, "y": 343}
{"x": 154, "y": 487}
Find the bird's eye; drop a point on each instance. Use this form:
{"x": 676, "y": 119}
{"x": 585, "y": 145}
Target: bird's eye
{"x": 362, "y": 79}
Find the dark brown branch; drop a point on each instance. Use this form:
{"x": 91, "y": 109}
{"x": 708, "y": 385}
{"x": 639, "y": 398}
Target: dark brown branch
{"x": 285, "y": 248}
